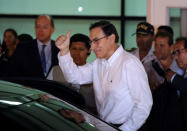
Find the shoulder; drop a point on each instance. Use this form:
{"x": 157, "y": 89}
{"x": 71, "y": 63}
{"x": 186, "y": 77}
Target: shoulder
{"x": 129, "y": 58}
{"x": 135, "y": 51}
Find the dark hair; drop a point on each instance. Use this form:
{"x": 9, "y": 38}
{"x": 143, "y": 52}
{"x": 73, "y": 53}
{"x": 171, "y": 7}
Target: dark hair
{"x": 4, "y": 47}
{"x": 80, "y": 38}
{"x": 23, "y": 38}
{"x": 165, "y": 34}
{"x": 107, "y": 28}
{"x": 185, "y": 44}
{"x": 166, "y": 29}
{"x": 12, "y": 31}
{"x": 49, "y": 17}
{"x": 180, "y": 39}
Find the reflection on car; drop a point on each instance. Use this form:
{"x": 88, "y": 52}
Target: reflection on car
{"x": 25, "y": 108}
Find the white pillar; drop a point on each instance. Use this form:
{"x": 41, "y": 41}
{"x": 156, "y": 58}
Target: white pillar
{"x": 158, "y": 10}
{"x": 184, "y": 22}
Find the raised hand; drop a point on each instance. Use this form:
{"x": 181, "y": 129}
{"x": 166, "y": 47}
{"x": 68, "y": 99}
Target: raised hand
{"x": 63, "y": 42}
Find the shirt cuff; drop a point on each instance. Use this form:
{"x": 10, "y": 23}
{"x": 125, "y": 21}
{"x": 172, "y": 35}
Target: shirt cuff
{"x": 64, "y": 57}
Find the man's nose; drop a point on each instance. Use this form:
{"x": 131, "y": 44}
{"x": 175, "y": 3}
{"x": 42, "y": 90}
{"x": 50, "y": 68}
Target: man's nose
{"x": 77, "y": 52}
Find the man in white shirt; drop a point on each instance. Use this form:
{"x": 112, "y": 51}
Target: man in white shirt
{"x": 120, "y": 83}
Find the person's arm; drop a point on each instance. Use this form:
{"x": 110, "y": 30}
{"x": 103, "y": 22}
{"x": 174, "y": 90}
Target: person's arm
{"x": 141, "y": 95}
{"x": 62, "y": 43}
{"x": 73, "y": 74}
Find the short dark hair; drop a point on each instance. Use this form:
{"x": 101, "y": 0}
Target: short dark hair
{"x": 107, "y": 27}
{"x": 80, "y": 38}
{"x": 4, "y": 47}
{"x": 165, "y": 34}
{"x": 180, "y": 39}
{"x": 12, "y": 31}
{"x": 166, "y": 28}
{"x": 24, "y": 38}
{"x": 49, "y": 17}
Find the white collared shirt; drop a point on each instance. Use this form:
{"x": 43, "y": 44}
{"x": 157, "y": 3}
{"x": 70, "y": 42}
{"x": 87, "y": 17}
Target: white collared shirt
{"x": 120, "y": 84}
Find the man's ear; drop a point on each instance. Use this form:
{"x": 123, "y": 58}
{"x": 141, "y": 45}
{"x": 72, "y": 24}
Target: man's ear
{"x": 89, "y": 52}
{"x": 112, "y": 38}
{"x": 172, "y": 48}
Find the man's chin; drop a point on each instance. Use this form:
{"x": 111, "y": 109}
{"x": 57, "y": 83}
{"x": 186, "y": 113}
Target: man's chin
{"x": 77, "y": 62}
{"x": 97, "y": 55}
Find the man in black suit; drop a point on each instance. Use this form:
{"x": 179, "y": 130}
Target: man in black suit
{"x": 180, "y": 81}
{"x": 36, "y": 58}
{"x": 180, "y": 54}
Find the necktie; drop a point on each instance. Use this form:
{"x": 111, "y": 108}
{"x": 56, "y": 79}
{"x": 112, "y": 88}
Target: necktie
{"x": 43, "y": 60}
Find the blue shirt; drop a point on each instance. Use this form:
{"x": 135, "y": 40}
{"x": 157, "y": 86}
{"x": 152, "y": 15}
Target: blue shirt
{"x": 48, "y": 54}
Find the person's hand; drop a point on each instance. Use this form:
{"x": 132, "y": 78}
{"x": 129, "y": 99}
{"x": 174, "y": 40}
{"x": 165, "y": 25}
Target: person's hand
{"x": 63, "y": 42}
{"x": 169, "y": 75}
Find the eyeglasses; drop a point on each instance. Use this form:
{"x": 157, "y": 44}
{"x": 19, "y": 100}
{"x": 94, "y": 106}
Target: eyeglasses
{"x": 177, "y": 52}
{"x": 96, "y": 40}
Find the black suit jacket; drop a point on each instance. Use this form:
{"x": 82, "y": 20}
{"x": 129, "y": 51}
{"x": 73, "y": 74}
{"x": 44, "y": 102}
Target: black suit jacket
{"x": 181, "y": 84}
{"x": 26, "y": 60}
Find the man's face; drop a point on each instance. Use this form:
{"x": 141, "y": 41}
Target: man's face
{"x": 101, "y": 44}
{"x": 144, "y": 41}
{"x": 9, "y": 38}
{"x": 180, "y": 55}
{"x": 43, "y": 29}
{"x": 79, "y": 53}
{"x": 162, "y": 48}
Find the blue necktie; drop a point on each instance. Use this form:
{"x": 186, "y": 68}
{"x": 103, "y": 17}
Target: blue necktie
{"x": 43, "y": 60}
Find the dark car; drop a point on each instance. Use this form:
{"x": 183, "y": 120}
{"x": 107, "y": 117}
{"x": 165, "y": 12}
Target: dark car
{"x": 25, "y": 108}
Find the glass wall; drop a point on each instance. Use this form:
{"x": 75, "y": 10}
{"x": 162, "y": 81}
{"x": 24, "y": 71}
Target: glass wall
{"x": 18, "y": 14}
{"x": 61, "y": 7}
{"x": 23, "y": 25}
{"x": 174, "y": 14}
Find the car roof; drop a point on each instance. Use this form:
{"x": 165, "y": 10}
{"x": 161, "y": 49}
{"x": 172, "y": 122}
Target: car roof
{"x": 62, "y": 91}
{"x": 17, "y": 100}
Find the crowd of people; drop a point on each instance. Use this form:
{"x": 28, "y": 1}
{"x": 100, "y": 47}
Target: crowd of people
{"x": 143, "y": 89}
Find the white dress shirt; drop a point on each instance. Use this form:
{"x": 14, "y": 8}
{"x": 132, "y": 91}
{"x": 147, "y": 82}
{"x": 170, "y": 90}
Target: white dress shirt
{"x": 120, "y": 84}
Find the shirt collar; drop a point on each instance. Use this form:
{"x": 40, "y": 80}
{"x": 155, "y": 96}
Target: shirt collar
{"x": 40, "y": 43}
{"x": 181, "y": 72}
{"x": 185, "y": 75}
{"x": 48, "y": 45}
{"x": 114, "y": 56}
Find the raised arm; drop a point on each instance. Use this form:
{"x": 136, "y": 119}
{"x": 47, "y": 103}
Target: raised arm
{"x": 63, "y": 42}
